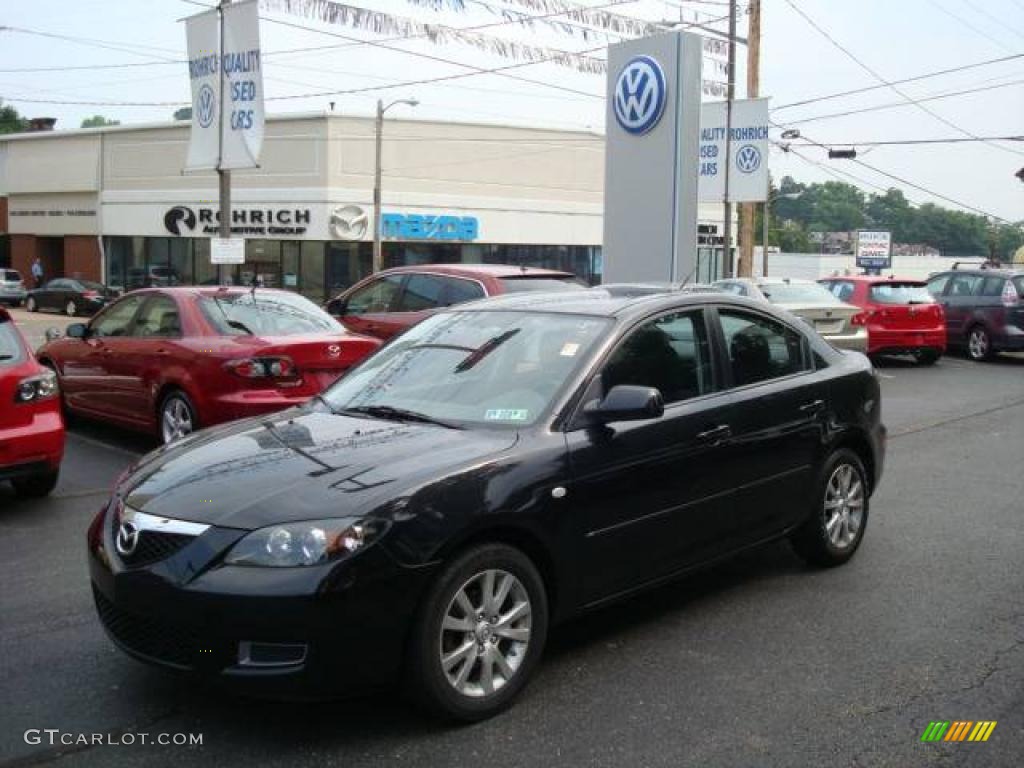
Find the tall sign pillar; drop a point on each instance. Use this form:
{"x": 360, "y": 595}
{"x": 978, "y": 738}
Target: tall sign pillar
{"x": 652, "y": 155}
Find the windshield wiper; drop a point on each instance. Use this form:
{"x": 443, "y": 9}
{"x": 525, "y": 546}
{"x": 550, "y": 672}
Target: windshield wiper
{"x": 238, "y": 325}
{"x": 391, "y": 413}
{"x": 484, "y": 350}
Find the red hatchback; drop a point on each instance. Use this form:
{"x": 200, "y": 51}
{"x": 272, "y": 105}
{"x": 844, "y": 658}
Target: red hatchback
{"x": 901, "y": 316}
{"x": 171, "y": 360}
{"x": 31, "y": 427}
{"x": 390, "y": 301}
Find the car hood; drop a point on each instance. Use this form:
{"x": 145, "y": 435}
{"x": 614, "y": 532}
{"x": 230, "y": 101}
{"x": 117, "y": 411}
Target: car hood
{"x": 301, "y": 464}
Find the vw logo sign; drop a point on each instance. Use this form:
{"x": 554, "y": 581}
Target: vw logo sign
{"x": 178, "y": 219}
{"x": 349, "y": 222}
{"x": 206, "y": 106}
{"x": 127, "y": 538}
{"x": 639, "y": 97}
{"x": 748, "y": 159}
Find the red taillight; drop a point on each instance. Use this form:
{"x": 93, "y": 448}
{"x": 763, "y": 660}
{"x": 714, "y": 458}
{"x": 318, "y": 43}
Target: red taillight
{"x": 1010, "y": 296}
{"x": 262, "y": 367}
{"x": 91, "y": 294}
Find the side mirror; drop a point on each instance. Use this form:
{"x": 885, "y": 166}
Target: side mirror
{"x": 627, "y": 403}
{"x": 52, "y": 334}
{"x": 75, "y": 331}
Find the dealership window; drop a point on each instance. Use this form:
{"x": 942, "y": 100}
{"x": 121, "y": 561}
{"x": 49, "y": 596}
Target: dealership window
{"x": 311, "y": 274}
{"x": 5, "y": 251}
{"x": 347, "y": 264}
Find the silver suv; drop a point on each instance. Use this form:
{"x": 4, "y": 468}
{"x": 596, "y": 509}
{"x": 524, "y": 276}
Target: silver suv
{"x": 12, "y": 288}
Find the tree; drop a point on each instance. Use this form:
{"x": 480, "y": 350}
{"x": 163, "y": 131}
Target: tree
{"x": 892, "y": 212}
{"x": 185, "y": 113}
{"x": 98, "y": 121}
{"x": 11, "y": 121}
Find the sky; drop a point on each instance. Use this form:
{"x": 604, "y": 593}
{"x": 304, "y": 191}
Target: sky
{"x": 872, "y": 41}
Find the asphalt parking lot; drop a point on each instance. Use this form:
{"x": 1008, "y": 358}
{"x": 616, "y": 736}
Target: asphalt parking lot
{"x": 759, "y": 662}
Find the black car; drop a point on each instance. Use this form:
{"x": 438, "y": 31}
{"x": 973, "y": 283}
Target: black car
{"x": 498, "y": 468}
{"x": 984, "y": 309}
{"x": 70, "y": 296}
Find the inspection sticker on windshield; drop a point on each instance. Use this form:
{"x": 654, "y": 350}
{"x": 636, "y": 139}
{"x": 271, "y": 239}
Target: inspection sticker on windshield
{"x": 507, "y": 414}
{"x": 569, "y": 349}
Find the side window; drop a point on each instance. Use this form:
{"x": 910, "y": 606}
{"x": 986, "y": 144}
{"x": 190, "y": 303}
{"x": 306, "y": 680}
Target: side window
{"x": 937, "y": 284}
{"x": 459, "y": 291}
{"x": 670, "y": 354}
{"x": 421, "y": 292}
{"x": 737, "y": 289}
{"x": 842, "y": 290}
{"x": 378, "y": 296}
{"x": 759, "y": 348}
{"x": 159, "y": 317}
{"x": 115, "y": 320}
{"x": 993, "y": 286}
{"x": 964, "y": 285}
{"x": 56, "y": 285}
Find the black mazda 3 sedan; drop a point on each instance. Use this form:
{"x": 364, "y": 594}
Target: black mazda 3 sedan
{"x": 498, "y": 468}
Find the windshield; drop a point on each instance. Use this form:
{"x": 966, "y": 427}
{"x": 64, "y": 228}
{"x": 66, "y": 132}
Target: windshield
{"x": 523, "y": 284}
{"x": 901, "y": 293}
{"x": 797, "y": 293}
{"x": 10, "y": 275}
{"x": 265, "y": 314}
{"x": 10, "y": 344}
{"x": 483, "y": 368}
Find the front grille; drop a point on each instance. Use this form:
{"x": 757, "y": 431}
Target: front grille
{"x": 149, "y": 637}
{"x": 154, "y": 546}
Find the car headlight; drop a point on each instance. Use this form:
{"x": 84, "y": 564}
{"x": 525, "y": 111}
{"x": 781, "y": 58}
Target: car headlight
{"x": 308, "y": 543}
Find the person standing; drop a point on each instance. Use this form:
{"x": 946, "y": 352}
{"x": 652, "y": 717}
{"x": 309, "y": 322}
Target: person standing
{"x": 37, "y": 272}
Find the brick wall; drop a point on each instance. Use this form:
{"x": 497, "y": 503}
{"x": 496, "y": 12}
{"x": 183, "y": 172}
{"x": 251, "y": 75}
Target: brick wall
{"x": 3, "y": 215}
{"x": 82, "y": 257}
{"x": 23, "y": 253}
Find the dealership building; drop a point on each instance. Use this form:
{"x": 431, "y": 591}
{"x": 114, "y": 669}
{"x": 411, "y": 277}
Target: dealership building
{"x": 112, "y": 204}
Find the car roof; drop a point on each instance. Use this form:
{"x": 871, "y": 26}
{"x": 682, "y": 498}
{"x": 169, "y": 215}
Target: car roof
{"x": 599, "y": 303}
{"x": 874, "y": 279}
{"x": 782, "y": 281}
{"x": 478, "y": 270}
{"x": 210, "y": 290}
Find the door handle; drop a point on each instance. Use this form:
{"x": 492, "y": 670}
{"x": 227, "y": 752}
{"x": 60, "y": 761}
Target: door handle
{"x": 815, "y": 406}
{"x": 715, "y": 434}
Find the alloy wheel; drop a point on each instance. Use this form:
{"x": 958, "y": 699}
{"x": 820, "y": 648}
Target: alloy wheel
{"x": 978, "y": 344}
{"x": 71, "y": 309}
{"x": 485, "y": 633}
{"x": 30, "y": 304}
{"x": 844, "y": 506}
{"x": 175, "y": 419}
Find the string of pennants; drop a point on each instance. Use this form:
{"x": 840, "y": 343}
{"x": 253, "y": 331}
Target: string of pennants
{"x": 573, "y": 19}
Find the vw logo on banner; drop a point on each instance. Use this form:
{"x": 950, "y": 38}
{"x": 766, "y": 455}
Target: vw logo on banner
{"x": 206, "y": 106}
{"x": 748, "y": 159}
{"x": 640, "y": 95}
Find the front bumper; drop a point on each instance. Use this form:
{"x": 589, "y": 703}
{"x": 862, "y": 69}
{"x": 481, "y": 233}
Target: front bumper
{"x": 192, "y": 614}
{"x": 35, "y": 447}
{"x": 13, "y": 295}
{"x": 857, "y": 341}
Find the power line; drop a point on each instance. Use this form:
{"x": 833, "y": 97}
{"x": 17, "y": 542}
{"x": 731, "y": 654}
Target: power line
{"x": 961, "y": 20}
{"x": 913, "y": 142}
{"x": 1001, "y": 23}
{"x": 898, "y": 104}
{"x": 853, "y": 57}
{"x": 866, "y": 89}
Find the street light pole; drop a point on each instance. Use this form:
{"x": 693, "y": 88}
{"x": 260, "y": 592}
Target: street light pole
{"x": 378, "y": 256}
{"x": 730, "y": 95}
{"x": 224, "y": 176}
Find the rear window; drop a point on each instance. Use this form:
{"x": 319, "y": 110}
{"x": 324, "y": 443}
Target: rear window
{"x": 11, "y": 351}
{"x": 1018, "y": 283}
{"x": 261, "y": 314}
{"x": 525, "y": 284}
{"x": 10, "y": 275}
{"x": 901, "y": 293}
{"x": 795, "y": 293}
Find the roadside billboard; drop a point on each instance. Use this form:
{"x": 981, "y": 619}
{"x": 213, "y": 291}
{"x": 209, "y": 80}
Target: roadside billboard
{"x": 874, "y": 249}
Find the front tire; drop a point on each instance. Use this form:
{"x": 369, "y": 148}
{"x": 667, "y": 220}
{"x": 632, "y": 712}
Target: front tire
{"x": 176, "y": 417}
{"x": 479, "y": 634}
{"x": 979, "y": 344}
{"x": 36, "y": 486}
{"x": 30, "y": 304}
{"x": 71, "y": 309}
{"x": 835, "y": 527}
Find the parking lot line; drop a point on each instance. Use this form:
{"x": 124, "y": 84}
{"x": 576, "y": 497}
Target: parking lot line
{"x": 106, "y": 446}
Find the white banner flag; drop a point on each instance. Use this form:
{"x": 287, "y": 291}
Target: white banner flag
{"x": 242, "y": 123}
{"x": 203, "y": 33}
{"x": 748, "y": 172}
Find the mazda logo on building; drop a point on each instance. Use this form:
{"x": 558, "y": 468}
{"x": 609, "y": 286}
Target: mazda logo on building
{"x": 349, "y": 222}
{"x": 127, "y": 538}
{"x": 178, "y": 219}
{"x": 639, "y": 98}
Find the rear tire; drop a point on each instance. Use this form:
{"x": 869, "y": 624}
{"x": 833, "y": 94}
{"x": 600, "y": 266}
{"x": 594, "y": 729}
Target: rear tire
{"x": 927, "y": 356}
{"x": 36, "y": 486}
{"x": 839, "y": 515}
{"x": 71, "y": 309}
{"x": 30, "y": 304}
{"x": 469, "y": 656}
{"x": 979, "y": 344}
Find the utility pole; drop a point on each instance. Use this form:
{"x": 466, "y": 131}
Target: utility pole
{"x": 730, "y": 94}
{"x": 224, "y": 176}
{"x": 378, "y": 255}
{"x": 746, "y": 265}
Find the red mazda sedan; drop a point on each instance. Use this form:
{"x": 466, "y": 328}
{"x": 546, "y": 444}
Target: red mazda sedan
{"x": 901, "y": 316}
{"x": 172, "y": 360}
{"x": 31, "y": 427}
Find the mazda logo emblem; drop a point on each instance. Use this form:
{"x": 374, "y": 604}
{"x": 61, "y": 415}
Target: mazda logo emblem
{"x": 334, "y": 350}
{"x": 349, "y": 222}
{"x": 178, "y": 219}
{"x": 127, "y": 538}
{"x": 640, "y": 95}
